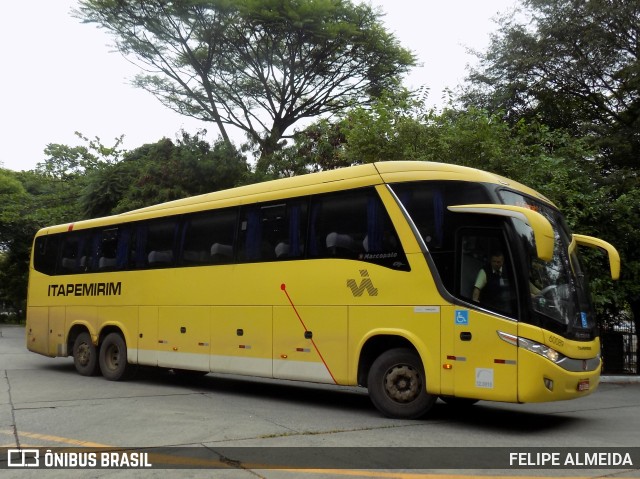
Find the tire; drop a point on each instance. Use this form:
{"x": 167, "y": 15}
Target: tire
{"x": 85, "y": 355}
{"x": 113, "y": 358}
{"x": 397, "y": 385}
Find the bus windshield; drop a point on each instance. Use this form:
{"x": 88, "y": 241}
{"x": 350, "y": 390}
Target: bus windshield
{"x": 559, "y": 298}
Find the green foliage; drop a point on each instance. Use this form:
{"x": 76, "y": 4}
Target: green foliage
{"x": 48, "y": 195}
{"x": 388, "y": 128}
{"x": 574, "y": 65}
{"x": 13, "y": 199}
{"x": 21, "y": 214}
{"x": 163, "y": 171}
{"x": 65, "y": 163}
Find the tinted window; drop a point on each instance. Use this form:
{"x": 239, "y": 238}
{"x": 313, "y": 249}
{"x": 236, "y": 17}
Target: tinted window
{"x": 427, "y": 202}
{"x": 76, "y": 253}
{"x": 45, "y": 253}
{"x": 485, "y": 274}
{"x": 208, "y": 237}
{"x": 110, "y": 248}
{"x": 157, "y": 241}
{"x": 273, "y": 231}
{"x": 354, "y": 225}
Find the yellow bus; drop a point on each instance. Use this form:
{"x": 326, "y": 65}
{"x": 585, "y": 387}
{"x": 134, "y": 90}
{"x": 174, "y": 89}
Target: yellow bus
{"x": 376, "y": 275}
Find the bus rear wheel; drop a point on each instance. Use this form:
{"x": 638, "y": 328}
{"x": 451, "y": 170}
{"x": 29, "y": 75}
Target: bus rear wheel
{"x": 85, "y": 355}
{"x": 113, "y": 358}
{"x": 397, "y": 385}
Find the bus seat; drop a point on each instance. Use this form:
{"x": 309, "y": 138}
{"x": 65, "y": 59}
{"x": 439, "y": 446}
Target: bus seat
{"x": 221, "y": 252}
{"x": 468, "y": 274}
{"x": 195, "y": 256}
{"x": 282, "y": 250}
{"x": 105, "y": 262}
{"x": 160, "y": 257}
{"x": 340, "y": 243}
{"x": 69, "y": 263}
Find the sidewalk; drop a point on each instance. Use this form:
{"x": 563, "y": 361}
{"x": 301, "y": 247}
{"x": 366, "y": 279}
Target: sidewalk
{"x": 620, "y": 379}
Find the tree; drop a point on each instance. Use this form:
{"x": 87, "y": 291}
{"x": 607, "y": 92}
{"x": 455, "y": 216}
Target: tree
{"x": 572, "y": 64}
{"x": 163, "y": 171}
{"x": 390, "y": 127}
{"x": 28, "y": 201}
{"x": 257, "y": 65}
{"x": 65, "y": 162}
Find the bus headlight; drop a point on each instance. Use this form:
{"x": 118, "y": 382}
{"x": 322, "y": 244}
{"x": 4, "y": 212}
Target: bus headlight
{"x": 544, "y": 351}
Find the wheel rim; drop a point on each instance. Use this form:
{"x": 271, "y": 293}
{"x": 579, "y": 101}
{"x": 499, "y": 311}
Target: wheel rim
{"x": 83, "y": 354}
{"x": 112, "y": 357}
{"x": 402, "y": 383}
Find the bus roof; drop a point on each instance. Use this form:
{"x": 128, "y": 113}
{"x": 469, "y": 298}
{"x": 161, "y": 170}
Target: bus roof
{"x": 332, "y": 180}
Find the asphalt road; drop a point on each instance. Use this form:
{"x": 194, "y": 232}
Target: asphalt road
{"x": 44, "y": 403}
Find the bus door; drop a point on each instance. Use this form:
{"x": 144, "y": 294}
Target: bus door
{"x": 484, "y": 365}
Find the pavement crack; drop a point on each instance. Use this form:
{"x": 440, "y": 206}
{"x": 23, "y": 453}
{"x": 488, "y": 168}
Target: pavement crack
{"x": 14, "y": 427}
{"x": 233, "y": 463}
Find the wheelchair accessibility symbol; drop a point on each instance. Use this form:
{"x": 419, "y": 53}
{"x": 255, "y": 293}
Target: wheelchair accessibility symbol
{"x": 462, "y": 317}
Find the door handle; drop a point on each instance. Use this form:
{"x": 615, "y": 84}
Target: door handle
{"x": 465, "y": 336}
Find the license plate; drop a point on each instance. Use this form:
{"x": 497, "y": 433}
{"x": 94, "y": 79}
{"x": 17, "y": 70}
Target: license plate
{"x": 583, "y": 385}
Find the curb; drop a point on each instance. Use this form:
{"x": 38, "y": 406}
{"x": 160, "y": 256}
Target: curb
{"x": 632, "y": 379}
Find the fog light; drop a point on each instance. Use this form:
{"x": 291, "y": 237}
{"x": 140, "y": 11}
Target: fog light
{"x": 548, "y": 383}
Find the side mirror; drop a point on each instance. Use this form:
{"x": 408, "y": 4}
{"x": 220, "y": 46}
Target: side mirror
{"x": 612, "y": 252}
{"x": 542, "y": 229}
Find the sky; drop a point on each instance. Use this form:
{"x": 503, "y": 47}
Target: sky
{"x": 59, "y": 76}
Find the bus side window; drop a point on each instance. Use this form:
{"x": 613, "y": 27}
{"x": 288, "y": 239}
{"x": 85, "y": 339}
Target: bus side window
{"x": 272, "y": 231}
{"x": 290, "y": 241}
{"x": 45, "y": 254}
{"x": 110, "y": 249}
{"x": 354, "y": 225}
{"x": 208, "y": 237}
{"x": 338, "y": 226}
{"x": 107, "y": 246}
{"x": 76, "y": 249}
{"x": 160, "y": 242}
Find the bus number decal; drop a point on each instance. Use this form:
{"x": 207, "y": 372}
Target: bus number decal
{"x": 556, "y": 340}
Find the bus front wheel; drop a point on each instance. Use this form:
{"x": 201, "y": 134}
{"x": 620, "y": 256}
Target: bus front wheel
{"x": 85, "y": 355}
{"x": 397, "y": 385}
{"x": 113, "y": 358}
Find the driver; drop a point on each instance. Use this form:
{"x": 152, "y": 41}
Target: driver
{"x": 491, "y": 288}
